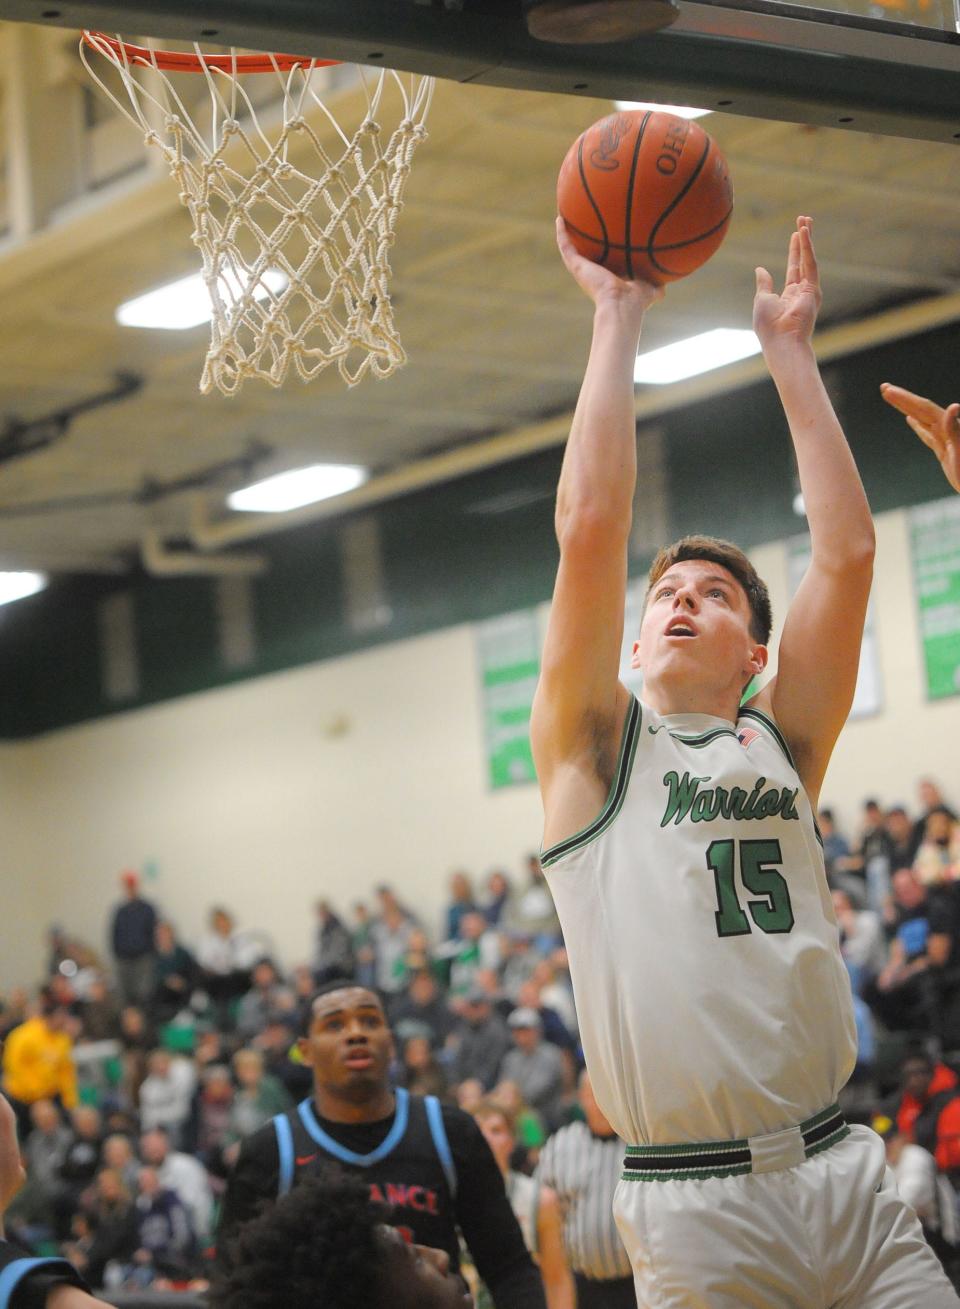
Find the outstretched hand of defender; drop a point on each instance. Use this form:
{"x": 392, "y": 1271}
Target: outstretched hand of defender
{"x": 598, "y": 282}
{"x": 790, "y": 316}
{"x": 936, "y": 427}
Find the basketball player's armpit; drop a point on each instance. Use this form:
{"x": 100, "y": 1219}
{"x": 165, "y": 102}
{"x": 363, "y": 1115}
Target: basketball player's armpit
{"x": 602, "y": 733}
{"x": 591, "y": 737}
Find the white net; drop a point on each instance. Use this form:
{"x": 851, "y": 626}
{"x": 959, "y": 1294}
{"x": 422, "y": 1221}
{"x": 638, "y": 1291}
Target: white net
{"x": 294, "y": 233}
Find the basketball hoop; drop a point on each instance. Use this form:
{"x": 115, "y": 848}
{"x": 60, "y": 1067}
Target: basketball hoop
{"x": 295, "y": 255}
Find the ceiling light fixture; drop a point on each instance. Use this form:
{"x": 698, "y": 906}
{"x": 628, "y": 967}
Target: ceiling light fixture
{"x": 696, "y": 354}
{"x": 15, "y": 586}
{"x": 185, "y": 303}
{"x": 681, "y": 111}
{"x": 296, "y": 487}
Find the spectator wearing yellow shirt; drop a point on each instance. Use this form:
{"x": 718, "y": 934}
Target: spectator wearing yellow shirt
{"x": 38, "y": 1063}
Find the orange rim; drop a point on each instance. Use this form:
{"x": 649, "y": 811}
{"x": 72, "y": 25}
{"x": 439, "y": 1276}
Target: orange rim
{"x": 176, "y": 61}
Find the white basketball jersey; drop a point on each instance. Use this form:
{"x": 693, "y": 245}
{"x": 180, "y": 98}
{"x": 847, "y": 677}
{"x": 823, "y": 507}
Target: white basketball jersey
{"x": 705, "y": 958}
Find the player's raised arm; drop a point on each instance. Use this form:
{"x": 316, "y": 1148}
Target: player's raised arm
{"x": 936, "y": 427}
{"x": 820, "y": 648}
{"x": 579, "y": 700}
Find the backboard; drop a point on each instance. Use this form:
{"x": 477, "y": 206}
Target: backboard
{"x": 885, "y": 66}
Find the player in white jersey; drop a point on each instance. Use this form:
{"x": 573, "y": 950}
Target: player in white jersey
{"x": 682, "y": 852}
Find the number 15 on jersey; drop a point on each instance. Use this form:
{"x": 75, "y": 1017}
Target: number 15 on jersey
{"x": 767, "y": 894}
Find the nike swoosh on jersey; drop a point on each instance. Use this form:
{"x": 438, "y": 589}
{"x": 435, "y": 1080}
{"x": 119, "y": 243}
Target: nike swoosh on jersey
{"x": 305, "y": 1159}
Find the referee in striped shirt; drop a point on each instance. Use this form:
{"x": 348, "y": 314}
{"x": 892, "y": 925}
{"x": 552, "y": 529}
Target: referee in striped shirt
{"x": 583, "y": 1162}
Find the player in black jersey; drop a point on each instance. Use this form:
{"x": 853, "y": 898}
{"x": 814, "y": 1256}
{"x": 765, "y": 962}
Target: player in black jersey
{"x": 325, "y": 1245}
{"x": 27, "y": 1282}
{"x": 429, "y": 1162}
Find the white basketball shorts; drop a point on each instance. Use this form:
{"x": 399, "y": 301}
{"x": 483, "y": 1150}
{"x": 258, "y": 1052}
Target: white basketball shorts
{"x": 827, "y": 1231}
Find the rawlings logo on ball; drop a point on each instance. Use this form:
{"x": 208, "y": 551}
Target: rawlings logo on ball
{"x": 612, "y": 132}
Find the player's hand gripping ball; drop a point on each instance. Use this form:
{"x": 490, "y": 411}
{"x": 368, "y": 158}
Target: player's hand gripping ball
{"x": 646, "y": 194}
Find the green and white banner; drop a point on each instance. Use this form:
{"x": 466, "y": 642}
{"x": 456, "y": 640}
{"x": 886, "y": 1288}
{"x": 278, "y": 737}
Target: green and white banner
{"x": 508, "y": 654}
{"x": 868, "y": 695}
{"x": 935, "y": 547}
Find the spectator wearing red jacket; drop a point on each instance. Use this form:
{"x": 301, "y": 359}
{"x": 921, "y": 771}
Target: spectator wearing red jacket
{"x": 929, "y": 1109}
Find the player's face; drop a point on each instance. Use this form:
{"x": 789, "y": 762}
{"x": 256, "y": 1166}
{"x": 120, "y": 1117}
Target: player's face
{"x": 418, "y": 1277}
{"x": 696, "y": 630}
{"x": 349, "y": 1046}
{"x": 12, "y": 1175}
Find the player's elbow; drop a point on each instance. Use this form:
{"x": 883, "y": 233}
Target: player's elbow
{"x": 853, "y": 555}
{"x": 859, "y": 543}
{"x": 864, "y": 544}
{"x": 586, "y": 528}
{"x": 859, "y": 559}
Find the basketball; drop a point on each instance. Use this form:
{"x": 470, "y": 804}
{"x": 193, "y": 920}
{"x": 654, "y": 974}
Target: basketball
{"x": 646, "y": 194}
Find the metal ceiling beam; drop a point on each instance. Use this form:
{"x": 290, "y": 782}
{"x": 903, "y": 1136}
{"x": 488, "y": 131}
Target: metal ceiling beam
{"x": 757, "y": 58}
{"x": 160, "y": 561}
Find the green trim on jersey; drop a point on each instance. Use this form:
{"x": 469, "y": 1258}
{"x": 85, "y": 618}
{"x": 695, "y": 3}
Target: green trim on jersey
{"x": 698, "y": 742}
{"x": 781, "y": 741}
{"x": 615, "y": 796}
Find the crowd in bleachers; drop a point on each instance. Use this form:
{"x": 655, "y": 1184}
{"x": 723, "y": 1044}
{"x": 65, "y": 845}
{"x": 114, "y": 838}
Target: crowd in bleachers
{"x": 134, "y": 1076}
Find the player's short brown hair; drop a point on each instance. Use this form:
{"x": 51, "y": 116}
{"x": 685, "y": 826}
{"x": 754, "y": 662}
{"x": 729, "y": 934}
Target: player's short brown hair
{"x": 730, "y": 557}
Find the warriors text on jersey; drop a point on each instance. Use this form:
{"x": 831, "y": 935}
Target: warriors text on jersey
{"x": 712, "y": 997}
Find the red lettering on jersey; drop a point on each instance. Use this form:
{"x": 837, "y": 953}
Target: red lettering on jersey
{"x": 420, "y": 1199}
